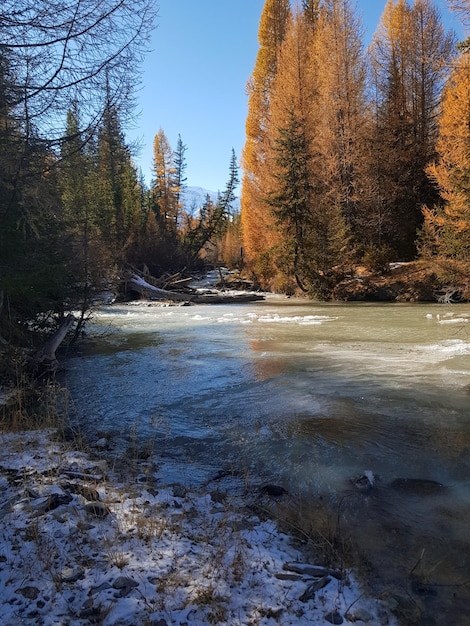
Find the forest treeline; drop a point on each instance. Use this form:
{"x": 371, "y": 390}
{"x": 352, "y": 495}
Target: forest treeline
{"x": 354, "y": 156}
{"x": 75, "y": 212}
{"x": 351, "y": 155}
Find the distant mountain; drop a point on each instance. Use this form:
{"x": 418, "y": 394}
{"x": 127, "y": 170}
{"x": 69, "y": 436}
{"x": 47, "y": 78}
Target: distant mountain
{"x": 194, "y": 198}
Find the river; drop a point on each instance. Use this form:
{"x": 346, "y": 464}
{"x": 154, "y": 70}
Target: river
{"x": 307, "y": 396}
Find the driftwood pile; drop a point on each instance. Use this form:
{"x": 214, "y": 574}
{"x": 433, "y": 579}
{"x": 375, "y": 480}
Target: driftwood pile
{"x": 180, "y": 288}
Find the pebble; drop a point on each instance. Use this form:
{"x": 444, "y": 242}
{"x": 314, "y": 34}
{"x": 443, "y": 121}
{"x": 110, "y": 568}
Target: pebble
{"x": 71, "y": 575}
{"x": 334, "y": 618}
{"x": 97, "y": 509}
{"x": 31, "y": 593}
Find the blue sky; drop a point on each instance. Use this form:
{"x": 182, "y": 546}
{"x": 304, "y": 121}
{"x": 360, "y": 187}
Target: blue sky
{"x": 194, "y": 78}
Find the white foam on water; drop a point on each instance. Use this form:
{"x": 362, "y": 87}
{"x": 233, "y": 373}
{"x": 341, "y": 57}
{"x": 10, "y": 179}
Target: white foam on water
{"x": 454, "y": 320}
{"x": 296, "y": 319}
{"x": 444, "y": 349}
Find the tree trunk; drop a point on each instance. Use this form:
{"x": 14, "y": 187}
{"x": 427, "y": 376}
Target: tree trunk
{"x": 46, "y": 355}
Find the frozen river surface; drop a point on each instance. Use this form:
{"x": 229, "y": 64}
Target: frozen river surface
{"x": 306, "y": 395}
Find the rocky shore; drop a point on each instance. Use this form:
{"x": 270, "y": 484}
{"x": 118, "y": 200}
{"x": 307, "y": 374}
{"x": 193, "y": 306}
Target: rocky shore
{"x": 79, "y": 546}
{"x": 416, "y": 281}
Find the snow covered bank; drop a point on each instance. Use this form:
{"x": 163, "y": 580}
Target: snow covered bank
{"x": 78, "y": 547}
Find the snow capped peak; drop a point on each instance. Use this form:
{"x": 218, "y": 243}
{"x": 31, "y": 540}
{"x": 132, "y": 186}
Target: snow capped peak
{"x": 195, "y": 197}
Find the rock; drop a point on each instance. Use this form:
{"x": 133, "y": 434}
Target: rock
{"x": 102, "y": 587}
{"x": 89, "y": 611}
{"x": 31, "y": 593}
{"x": 102, "y": 444}
{"x": 309, "y": 593}
{"x": 71, "y": 575}
{"x": 417, "y": 486}
{"x": 179, "y": 491}
{"x": 124, "y": 585}
{"x": 97, "y": 509}
{"x": 275, "y": 491}
{"x": 50, "y": 502}
{"x": 365, "y": 481}
{"x": 334, "y": 618}
{"x": 124, "y": 581}
{"x": 218, "y": 496}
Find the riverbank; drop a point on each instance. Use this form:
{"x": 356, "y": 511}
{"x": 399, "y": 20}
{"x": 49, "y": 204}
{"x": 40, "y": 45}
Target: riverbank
{"x": 79, "y": 545}
{"x": 416, "y": 281}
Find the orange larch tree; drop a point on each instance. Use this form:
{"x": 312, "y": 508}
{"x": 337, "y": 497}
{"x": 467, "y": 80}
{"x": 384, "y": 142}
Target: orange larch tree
{"x": 410, "y": 53}
{"x": 447, "y": 228}
{"x": 257, "y": 223}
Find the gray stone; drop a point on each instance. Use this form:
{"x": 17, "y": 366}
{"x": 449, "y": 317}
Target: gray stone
{"x": 124, "y": 581}
{"x": 275, "y": 491}
{"x": 100, "y": 588}
{"x": 179, "y": 491}
{"x": 50, "y": 502}
{"x": 31, "y": 593}
{"x": 309, "y": 593}
{"x": 97, "y": 509}
{"x": 334, "y": 618}
{"x": 89, "y": 611}
{"x": 71, "y": 575}
{"x": 365, "y": 481}
{"x": 124, "y": 585}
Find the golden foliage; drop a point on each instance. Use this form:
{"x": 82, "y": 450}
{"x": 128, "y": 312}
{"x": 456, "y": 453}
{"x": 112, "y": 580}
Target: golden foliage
{"x": 451, "y": 172}
{"x": 257, "y": 222}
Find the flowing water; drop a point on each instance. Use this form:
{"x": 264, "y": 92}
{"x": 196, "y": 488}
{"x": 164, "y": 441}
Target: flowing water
{"x": 308, "y": 395}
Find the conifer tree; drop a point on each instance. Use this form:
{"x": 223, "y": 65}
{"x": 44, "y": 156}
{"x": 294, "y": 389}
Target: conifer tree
{"x": 289, "y": 183}
{"x": 446, "y": 230}
{"x": 85, "y": 257}
{"x": 230, "y": 246}
{"x": 291, "y": 197}
{"x": 214, "y": 216}
{"x": 163, "y": 183}
{"x": 74, "y": 175}
{"x": 311, "y": 11}
{"x": 179, "y": 181}
{"x": 32, "y": 276}
{"x": 410, "y": 53}
{"x": 343, "y": 102}
{"x": 256, "y": 219}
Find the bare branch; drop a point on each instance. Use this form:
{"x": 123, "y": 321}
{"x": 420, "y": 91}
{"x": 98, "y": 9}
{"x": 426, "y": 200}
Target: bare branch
{"x": 62, "y": 52}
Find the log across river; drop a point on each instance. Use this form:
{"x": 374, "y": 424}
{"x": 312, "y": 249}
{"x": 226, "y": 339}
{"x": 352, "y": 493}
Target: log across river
{"x": 311, "y": 397}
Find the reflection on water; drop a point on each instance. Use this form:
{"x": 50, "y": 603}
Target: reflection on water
{"x": 307, "y": 395}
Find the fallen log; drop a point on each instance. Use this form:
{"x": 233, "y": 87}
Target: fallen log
{"x": 46, "y": 354}
{"x": 142, "y": 287}
{"x": 226, "y": 298}
{"x": 135, "y": 283}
